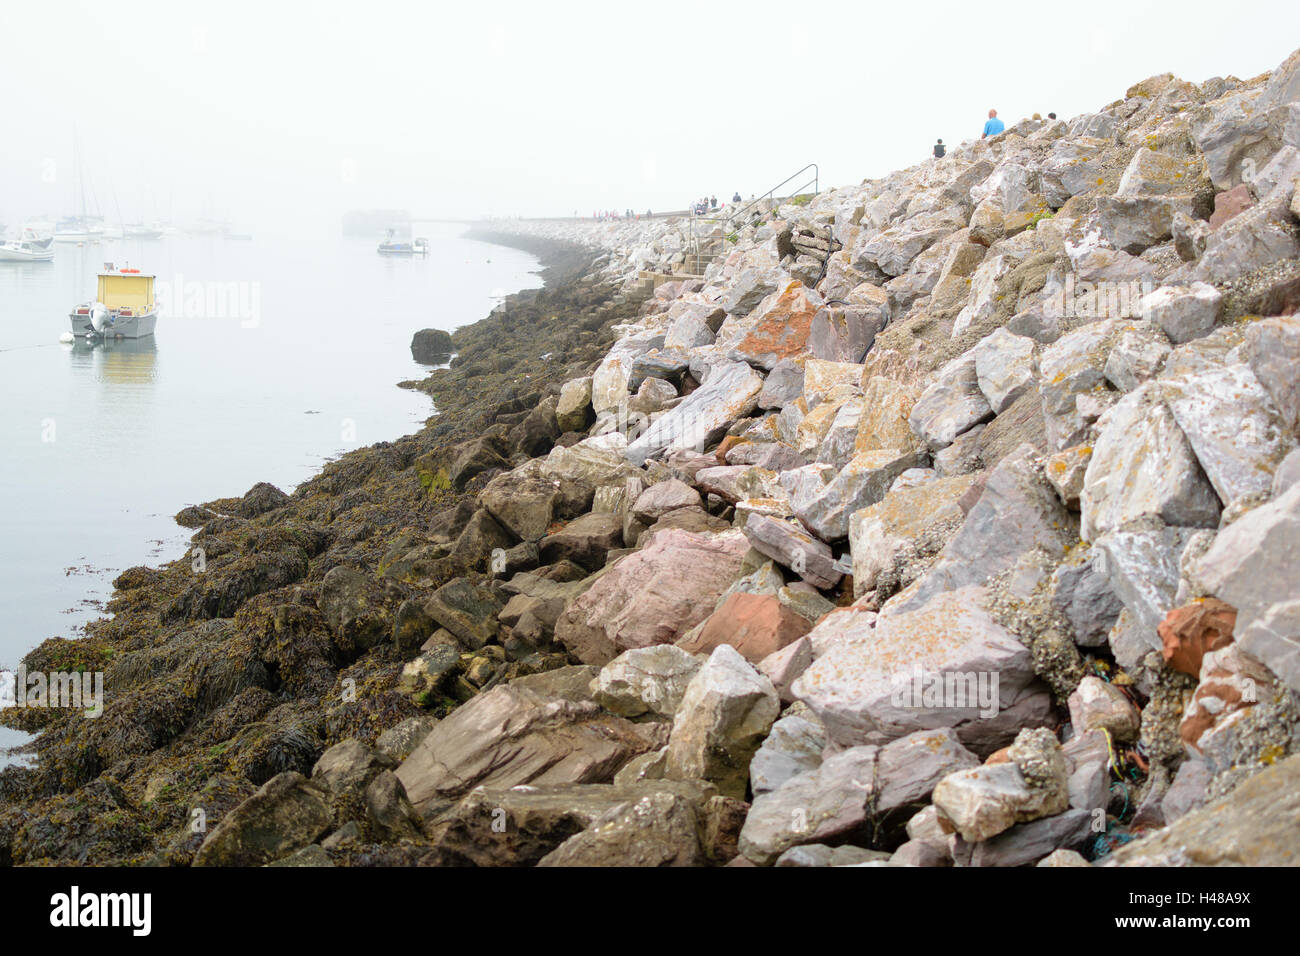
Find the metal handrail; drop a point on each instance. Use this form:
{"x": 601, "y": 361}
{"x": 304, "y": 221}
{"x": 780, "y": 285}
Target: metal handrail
{"x": 741, "y": 215}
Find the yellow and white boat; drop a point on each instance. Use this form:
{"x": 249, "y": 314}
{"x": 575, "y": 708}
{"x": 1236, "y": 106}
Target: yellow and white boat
{"x": 124, "y": 306}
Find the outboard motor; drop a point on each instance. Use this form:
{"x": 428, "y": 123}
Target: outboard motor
{"x": 99, "y": 318}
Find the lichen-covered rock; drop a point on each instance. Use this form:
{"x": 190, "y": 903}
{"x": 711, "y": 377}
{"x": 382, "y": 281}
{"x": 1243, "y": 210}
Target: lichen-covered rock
{"x": 1257, "y": 824}
{"x": 877, "y": 683}
{"x": 646, "y": 680}
{"x": 1142, "y": 465}
{"x": 727, "y": 710}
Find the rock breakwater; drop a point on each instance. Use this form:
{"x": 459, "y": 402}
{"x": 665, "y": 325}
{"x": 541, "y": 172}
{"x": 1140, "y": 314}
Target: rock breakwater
{"x": 951, "y": 518}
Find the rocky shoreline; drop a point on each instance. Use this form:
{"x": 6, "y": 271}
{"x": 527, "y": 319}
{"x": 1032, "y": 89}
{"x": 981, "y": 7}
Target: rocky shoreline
{"x": 948, "y": 519}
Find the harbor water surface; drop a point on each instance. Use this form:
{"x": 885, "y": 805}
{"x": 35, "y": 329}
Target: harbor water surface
{"x": 272, "y": 356}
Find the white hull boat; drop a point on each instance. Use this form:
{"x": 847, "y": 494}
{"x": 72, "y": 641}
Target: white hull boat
{"x": 24, "y": 250}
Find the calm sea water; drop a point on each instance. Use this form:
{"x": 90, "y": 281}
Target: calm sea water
{"x": 276, "y": 354}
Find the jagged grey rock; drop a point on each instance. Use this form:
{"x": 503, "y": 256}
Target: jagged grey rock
{"x": 645, "y": 680}
{"x": 1142, "y": 465}
{"x": 727, "y": 710}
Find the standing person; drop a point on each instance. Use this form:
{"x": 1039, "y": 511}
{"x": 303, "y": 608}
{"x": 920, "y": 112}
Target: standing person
{"x": 993, "y": 126}
{"x": 713, "y": 201}
{"x": 938, "y": 149}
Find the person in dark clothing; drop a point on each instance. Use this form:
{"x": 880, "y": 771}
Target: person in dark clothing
{"x": 736, "y": 198}
{"x": 713, "y": 201}
{"x": 938, "y": 149}
{"x": 1051, "y": 116}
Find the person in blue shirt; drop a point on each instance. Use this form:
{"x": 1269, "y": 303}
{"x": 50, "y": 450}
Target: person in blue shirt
{"x": 993, "y": 126}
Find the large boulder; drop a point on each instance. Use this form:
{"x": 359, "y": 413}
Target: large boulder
{"x": 467, "y": 610}
{"x": 1142, "y": 465}
{"x": 953, "y": 404}
{"x": 850, "y": 793}
{"x": 521, "y": 502}
{"x": 585, "y": 541}
{"x": 726, "y": 712}
{"x": 510, "y": 736}
{"x": 659, "y": 829}
{"x": 779, "y": 328}
{"x": 757, "y": 625}
{"x": 887, "y": 535}
{"x": 948, "y": 664}
{"x": 983, "y": 801}
{"x": 863, "y": 481}
{"x": 1234, "y": 430}
{"x": 730, "y": 393}
{"x": 646, "y": 680}
{"x": 1252, "y": 563}
{"x": 287, "y": 813}
{"x": 652, "y": 596}
{"x": 1017, "y": 511}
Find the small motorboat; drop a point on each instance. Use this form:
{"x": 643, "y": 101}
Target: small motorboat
{"x": 25, "y": 250}
{"x": 392, "y": 246}
{"x": 124, "y": 306}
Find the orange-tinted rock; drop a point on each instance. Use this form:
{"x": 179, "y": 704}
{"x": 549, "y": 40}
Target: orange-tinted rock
{"x": 756, "y": 625}
{"x": 1189, "y": 631}
{"x": 781, "y": 330}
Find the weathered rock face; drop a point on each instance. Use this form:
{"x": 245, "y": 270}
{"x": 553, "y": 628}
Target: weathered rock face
{"x": 1272, "y": 348}
{"x": 790, "y": 545}
{"x": 984, "y": 801}
{"x": 586, "y": 541}
{"x": 948, "y": 664}
{"x": 519, "y": 826}
{"x": 1257, "y": 824}
{"x": 885, "y": 536}
{"x": 349, "y": 766}
{"x": 756, "y": 625}
{"x": 524, "y": 504}
{"x": 653, "y": 596}
{"x": 510, "y": 736}
{"x": 726, "y": 712}
{"x": 863, "y": 481}
{"x": 1252, "y": 561}
{"x": 952, "y": 405}
{"x": 779, "y": 328}
{"x": 287, "y": 813}
{"x": 730, "y": 393}
{"x": 848, "y": 791}
{"x": 660, "y": 829}
{"x": 1016, "y": 512}
{"x": 794, "y": 746}
{"x": 467, "y": 610}
{"x": 573, "y": 409}
{"x": 646, "y": 680}
{"x": 1142, "y": 465}
{"x": 1230, "y": 423}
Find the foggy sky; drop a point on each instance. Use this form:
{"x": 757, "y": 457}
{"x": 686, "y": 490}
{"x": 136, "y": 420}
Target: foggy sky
{"x": 282, "y": 120}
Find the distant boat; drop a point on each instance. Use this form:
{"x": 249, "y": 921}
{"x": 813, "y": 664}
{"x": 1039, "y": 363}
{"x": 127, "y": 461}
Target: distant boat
{"x": 124, "y": 306}
{"x": 25, "y": 250}
{"x": 138, "y": 231}
{"x": 392, "y": 246}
